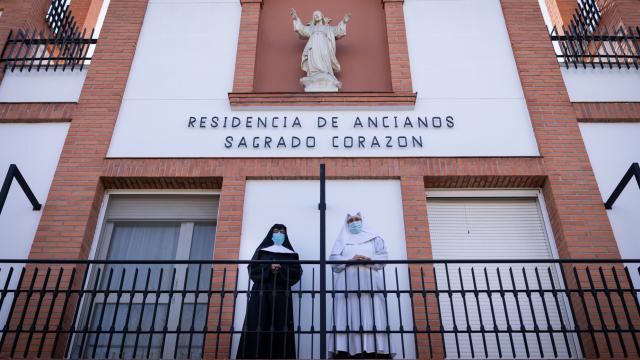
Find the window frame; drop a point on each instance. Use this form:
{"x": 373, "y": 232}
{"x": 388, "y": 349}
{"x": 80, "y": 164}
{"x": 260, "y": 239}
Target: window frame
{"x": 100, "y": 248}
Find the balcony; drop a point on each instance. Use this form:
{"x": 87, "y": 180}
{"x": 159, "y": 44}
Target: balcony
{"x": 432, "y": 309}
{"x": 47, "y": 65}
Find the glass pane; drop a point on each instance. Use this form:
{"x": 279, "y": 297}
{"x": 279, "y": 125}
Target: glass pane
{"x": 141, "y": 241}
{"x": 201, "y": 249}
{"x": 102, "y": 344}
{"x": 190, "y": 345}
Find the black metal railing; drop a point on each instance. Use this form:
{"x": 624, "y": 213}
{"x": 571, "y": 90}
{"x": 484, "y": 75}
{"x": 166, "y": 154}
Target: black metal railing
{"x": 60, "y": 19}
{"x": 33, "y": 50}
{"x": 586, "y": 17}
{"x": 412, "y": 308}
{"x": 598, "y": 48}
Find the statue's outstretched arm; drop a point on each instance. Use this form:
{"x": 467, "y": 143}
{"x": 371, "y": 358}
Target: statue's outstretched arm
{"x": 298, "y": 26}
{"x": 340, "y": 30}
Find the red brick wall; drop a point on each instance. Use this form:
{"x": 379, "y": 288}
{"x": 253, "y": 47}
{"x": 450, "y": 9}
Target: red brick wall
{"x": 581, "y": 226}
{"x": 247, "y": 46}
{"x": 86, "y": 13}
{"x": 36, "y": 112}
{"x": 248, "y": 43}
{"x": 607, "y": 112}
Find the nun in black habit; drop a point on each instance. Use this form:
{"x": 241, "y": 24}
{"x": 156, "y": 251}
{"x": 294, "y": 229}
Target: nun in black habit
{"x": 267, "y": 332}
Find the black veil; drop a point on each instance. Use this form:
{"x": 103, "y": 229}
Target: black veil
{"x": 268, "y": 242}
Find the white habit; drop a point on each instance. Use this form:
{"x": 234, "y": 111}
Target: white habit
{"x": 351, "y": 310}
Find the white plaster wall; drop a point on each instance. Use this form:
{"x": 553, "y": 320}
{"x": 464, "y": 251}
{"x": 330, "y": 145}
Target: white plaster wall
{"x": 185, "y": 67}
{"x": 612, "y": 148}
{"x": 602, "y": 85}
{"x": 460, "y": 49}
{"x": 295, "y": 204}
{"x": 42, "y": 86}
{"x": 35, "y": 149}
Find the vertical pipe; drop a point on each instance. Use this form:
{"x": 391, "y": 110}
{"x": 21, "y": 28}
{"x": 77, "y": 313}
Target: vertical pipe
{"x": 323, "y": 263}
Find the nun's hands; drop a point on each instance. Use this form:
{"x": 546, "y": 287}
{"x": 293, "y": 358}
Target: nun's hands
{"x": 275, "y": 268}
{"x": 361, "y": 257}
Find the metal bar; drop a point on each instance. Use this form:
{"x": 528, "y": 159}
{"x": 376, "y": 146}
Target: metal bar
{"x": 145, "y": 294}
{"x": 323, "y": 265}
{"x": 102, "y": 311}
{"x": 413, "y": 317}
{"x": 183, "y": 295}
{"x": 36, "y": 314}
{"x": 493, "y": 314}
{"x": 536, "y": 328}
{"x": 603, "y": 325}
{"x": 612, "y": 310}
{"x": 115, "y": 311}
{"x": 64, "y": 311}
{"x": 426, "y": 312}
{"x": 506, "y": 312}
{"x": 633, "y": 171}
{"x": 299, "y": 328}
{"x": 467, "y": 322}
{"x": 14, "y": 173}
{"x": 626, "y": 308}
{"x": 587, "y": 315}
{"x": 23, "y": 313}
{"x": 313, "y": 306}
{"x": 125, "y": 328}
{"x": 45, "y": 327}
{"x": 546, "y": 313}
{"x": 479, "y": 310}
{"x": 453, "y": 311}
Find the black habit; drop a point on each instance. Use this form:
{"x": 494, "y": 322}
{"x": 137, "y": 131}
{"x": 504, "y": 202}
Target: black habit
{"x": 268, "y": 327}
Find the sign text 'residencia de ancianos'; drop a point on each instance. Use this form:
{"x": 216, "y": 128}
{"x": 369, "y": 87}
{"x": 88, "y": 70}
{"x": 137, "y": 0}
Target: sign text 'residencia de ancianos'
{"x": 305, "y": 132}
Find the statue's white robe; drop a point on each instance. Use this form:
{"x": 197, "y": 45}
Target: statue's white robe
{"x": 367, "y": 309}
{"x": 319, "y": 55}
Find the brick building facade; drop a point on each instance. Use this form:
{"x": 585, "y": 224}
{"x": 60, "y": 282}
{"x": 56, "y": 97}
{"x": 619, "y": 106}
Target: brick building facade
{"x": 542, "y": 128}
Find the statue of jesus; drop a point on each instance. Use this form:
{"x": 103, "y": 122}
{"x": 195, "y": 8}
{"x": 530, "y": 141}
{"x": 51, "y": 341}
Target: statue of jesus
{"x": 319, "y": 56}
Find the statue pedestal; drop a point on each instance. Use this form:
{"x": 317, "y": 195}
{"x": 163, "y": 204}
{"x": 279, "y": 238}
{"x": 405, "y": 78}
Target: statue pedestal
{"x": 320, "y": 83}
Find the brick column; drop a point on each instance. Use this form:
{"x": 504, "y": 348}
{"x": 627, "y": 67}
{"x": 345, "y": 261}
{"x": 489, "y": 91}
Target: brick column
{"x": 227, "y": 247}
{"x": 398, "y": 49}
{"x": 416, "y": 227}
{"x": 578, "y": 218}
{"x": 69, "y": 217}
{"x": 86, "y": 13}
{"x": 580, "y": 223}
{"x": 247, "y": 46}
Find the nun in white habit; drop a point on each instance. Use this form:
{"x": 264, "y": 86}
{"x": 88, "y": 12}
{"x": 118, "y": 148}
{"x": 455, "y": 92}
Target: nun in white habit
{"x": 357, "y": 242}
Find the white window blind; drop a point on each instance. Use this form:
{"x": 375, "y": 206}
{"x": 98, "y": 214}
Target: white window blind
{"x": 496, "y": 229}
{"x": 163, "y": 207}
{"x": 487, "y": 229}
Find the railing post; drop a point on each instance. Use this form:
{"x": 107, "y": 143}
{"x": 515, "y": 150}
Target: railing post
{"x": 323, "y": 263}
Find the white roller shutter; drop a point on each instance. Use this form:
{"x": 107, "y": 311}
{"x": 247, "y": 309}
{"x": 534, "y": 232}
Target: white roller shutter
{"x": 162, "y": 207}
{"x": 496, "y": 228}
{"x": 487, "y": 229}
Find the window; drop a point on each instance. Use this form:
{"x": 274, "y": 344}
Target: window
{"x": 476, "y": 227}
{"x": 133, "y": 303}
